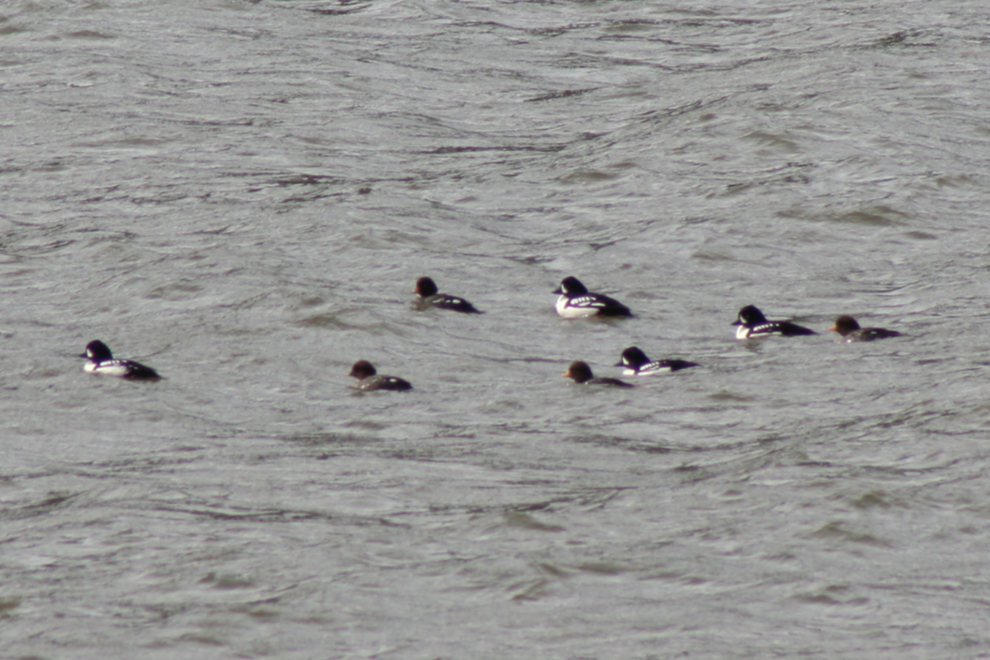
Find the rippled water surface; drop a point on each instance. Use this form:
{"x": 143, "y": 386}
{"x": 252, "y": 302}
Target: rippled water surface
{"x": 242, "y": 195}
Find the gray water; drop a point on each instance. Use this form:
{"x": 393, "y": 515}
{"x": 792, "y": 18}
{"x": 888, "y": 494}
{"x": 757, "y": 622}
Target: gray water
{"x": 242, "y": 195}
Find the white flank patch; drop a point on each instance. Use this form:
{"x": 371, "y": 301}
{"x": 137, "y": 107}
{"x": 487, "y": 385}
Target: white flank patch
{"x": 762, "y": 330}
{"x": 570, "y": 312}
{"x": 109, "y": 368}
{"x": 653, "y": 369}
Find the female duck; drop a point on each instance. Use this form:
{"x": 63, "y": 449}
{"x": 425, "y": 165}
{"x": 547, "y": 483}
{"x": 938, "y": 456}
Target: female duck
{"x": 850, "y": 331}
{"x": 581, "y": 374}
{"x": 370, "y": 380}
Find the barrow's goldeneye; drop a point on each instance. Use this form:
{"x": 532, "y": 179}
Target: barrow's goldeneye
{"x": 637, "y": 364}
{"x": 102, "y": 362}
{"x": 753, "y": 324}
{"x": 369, "y": 380}
{"x": 426, "y": 289}
{"x": 580, "y": 373}
{"x": 576, "y": 302}
{"x": 850, "y": 330}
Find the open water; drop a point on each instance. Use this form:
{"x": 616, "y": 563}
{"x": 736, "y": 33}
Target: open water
{"x": 242, "y": 195}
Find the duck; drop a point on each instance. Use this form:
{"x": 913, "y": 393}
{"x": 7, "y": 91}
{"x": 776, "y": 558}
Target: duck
{"x": 850, "y": 331}
{"x": 576, "y": 302}
{"x": 753, "y": 324}
{"x": 428, "y": 297}
{"x": 580, "y": 373}
{"x": 100, "y": 361}
{"x": 637, "y": 364}
{"x": 369, "y": 379}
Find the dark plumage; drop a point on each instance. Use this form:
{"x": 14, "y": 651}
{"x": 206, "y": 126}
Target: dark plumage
{"x": 429, "y": 297}
{"x": 369, "y": 380}
{"x": 580, "y": 373}
{"x": 850, "y": 330}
